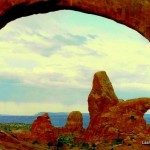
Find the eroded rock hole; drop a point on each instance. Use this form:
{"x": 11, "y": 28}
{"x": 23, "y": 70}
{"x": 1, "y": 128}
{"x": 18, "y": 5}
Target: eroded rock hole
{"x": 147, "y": 117}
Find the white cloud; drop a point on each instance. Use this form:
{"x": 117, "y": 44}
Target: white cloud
{"x": 97, "y": 54}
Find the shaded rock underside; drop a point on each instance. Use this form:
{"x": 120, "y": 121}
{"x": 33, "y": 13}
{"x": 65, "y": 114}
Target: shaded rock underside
{"x": 132, "y": 13}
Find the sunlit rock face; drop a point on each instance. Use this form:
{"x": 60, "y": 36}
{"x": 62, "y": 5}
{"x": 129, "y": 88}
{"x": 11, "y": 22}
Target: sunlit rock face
{"x": 42, "y": 129}
{"x": 102, "y": 95}
{"x": 75, "y": 122}
{"x": 42, "y": 124}
{"x": 112, "y": 119}
{"x": 133, "y": 13}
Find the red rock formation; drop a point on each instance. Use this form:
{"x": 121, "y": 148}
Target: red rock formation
{"x": 121, "y": 120}
{"x": 132, "y": 13}
{"x": 41, "y": 124}
{"x": 102, "y": 95}
{"x": 74, "y": 122}
{"x": 42, "y": 129}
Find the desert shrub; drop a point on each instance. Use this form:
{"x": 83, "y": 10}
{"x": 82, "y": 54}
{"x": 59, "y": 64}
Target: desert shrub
{"x": 35, "y": 142}
{"x": 85, "y": 145}
{"x": 65, "y": 140}
{"x": 93, "y": 145}
{"x": 106, "y": 141}
{"x": 49, "y": 144}
{"x": 117, "y": 141}
{"x": 59, "y": 145}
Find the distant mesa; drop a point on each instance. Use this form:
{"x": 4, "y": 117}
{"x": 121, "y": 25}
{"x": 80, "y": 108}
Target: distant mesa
{"x": 52, "y": 113}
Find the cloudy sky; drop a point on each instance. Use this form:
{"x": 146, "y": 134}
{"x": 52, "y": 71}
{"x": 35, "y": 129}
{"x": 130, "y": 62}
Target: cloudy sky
{"x": 47, "y": 62}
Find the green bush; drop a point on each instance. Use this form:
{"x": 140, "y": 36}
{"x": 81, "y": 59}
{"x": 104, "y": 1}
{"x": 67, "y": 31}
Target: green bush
{"x": 65, "y": 140}
{"x": 85, "y": 145}
{"x": 14, "y": 126}
{"x": 117, "y": 141}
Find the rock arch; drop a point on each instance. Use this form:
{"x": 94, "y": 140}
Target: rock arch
{"x": 132, "y": 13}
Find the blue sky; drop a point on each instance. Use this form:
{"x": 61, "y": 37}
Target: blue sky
{"x": 47, "y": 61}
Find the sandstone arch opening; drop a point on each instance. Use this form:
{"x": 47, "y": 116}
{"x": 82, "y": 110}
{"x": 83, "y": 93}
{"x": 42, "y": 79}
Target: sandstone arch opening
{"x": 91, "y": 48}
{"x": 147, "y": 117}
{"x": 132, "y": 117}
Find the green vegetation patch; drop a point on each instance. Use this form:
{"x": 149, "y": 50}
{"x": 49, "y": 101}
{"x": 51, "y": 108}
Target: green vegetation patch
{"x": 66, "y": 139}
{"x": 14, "y": 126}
{"x": 117, "y": 141}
